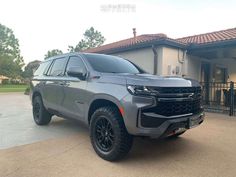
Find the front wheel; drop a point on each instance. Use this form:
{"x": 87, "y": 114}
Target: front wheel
{"x": 108, "y": 134}
{"x": 41, "y": 115}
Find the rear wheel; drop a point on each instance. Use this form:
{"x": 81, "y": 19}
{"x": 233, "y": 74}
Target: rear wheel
{"x": 108, "y": 134}
{"x": 41, "y": 115}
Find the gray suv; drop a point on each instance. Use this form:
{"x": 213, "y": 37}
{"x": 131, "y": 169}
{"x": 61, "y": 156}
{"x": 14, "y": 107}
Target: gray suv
{"x": 115, "y": 98}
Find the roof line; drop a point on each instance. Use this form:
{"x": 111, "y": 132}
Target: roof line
{"x": 164, "y": 41}
{"x": 224, "y": 43}
{"x": 204, "y": 33}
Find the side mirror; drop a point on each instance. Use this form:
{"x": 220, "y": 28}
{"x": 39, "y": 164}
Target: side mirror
{"x": 77, "y": 72}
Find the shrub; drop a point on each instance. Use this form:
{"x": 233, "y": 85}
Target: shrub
{"x": 27, "y": 91}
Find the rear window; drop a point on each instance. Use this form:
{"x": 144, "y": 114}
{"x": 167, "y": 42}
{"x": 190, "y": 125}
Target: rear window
{"x": 42, "y": 69}
{"x": 112, "y": 64}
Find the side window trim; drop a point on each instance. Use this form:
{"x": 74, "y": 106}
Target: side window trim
{"x": 64, "y": 69}
{"x": 85, "y": 64}
{"x": 45, "y": 72}
{"x": 50, "y": 68}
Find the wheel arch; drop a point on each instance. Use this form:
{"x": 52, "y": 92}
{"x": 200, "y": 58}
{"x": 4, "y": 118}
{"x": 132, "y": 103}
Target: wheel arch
{"x": 34, "y": 94}
{"x": 101, "y": 101}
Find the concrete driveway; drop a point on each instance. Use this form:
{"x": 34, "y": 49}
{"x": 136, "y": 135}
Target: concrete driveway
{"x": 205, "y": 151}
{"x": 17, "y": 126}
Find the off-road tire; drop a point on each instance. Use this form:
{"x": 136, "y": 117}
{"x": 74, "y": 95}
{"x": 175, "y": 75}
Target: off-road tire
{"x": 40, "y": 114}
{"x": 122, "y": 139}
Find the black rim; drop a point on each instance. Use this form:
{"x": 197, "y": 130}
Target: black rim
{"x": 104, "y": 134}
{"x": 36, "y": 110}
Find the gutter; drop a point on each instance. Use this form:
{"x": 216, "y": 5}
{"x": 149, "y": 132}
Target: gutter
{"x": 154, "y": 49}
{"x": 182, "y": 60}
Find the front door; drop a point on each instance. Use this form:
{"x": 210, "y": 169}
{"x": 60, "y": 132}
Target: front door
{"x": 75, "y": 91}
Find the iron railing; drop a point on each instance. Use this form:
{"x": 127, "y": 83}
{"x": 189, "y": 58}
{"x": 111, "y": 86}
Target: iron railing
{"x": 219, "y": 97}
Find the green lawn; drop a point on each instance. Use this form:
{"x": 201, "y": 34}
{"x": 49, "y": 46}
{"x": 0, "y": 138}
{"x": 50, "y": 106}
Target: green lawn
{"x": 13, "y": 88}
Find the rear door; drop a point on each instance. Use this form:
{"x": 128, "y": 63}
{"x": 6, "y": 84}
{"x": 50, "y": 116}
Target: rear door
{"x": 39, "y": 78}
{"x": 53, "y": 93}
{"x": 75, "y": 91}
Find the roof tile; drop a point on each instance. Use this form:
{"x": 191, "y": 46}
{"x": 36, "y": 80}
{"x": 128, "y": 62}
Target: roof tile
{"x": 222, "y": 35}
{"x": 228, "y": 34}
{"x": 128, "y": 42}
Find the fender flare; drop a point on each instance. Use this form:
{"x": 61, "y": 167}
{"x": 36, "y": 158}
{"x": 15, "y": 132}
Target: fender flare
{"x": 103, "y": 97}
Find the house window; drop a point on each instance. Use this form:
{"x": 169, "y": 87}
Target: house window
{"x": 220, "y": 74}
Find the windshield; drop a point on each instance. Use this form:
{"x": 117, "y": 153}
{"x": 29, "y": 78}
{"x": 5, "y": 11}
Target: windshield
{"x": 112, "y": 64}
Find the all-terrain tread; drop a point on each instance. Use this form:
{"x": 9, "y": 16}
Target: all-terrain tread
{"x": 124, "y": 139}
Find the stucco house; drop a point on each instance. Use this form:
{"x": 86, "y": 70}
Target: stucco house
{"x": 209, "y": 58}
{"x": 3, "y": 78}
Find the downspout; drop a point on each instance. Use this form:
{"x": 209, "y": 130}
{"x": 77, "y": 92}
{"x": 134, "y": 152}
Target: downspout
{"x": 182, "y": 60}
{"x": 154, "y": 49}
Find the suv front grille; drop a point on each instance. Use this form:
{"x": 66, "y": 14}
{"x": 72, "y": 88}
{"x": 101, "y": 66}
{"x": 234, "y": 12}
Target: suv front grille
{"x": 173, "y": 107}
{"x": 177, "y": 90}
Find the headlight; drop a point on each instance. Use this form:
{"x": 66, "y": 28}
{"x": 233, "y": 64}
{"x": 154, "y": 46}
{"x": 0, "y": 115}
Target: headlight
{"x": 139, "y": 90}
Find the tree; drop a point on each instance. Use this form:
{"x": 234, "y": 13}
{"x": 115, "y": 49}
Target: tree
{"x": 8, "y": 67}
{"x": 11, "y": 61}
{"x": 92, "y": 38}
{"x": 52, "y": 53}
{"x": 30, "y": 68}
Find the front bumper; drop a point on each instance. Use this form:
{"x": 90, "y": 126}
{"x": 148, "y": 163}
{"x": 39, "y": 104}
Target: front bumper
{"x": 172, "y": 125}
{"x": 161, "y": 125}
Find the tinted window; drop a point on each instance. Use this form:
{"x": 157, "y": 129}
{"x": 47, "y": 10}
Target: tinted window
{"x": 42, "y": 68}
{"x": 111, "y": 64}
{"x": 75, "y": 62}
{"x": 58, "y": 67}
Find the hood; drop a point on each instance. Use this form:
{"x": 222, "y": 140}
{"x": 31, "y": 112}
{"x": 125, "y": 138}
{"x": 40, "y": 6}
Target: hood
{"x": 147, "y": 80}
{"x": 160, "y": 81}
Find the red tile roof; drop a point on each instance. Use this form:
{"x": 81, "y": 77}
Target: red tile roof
{"x": 223, "y": 35}
{"x": 128, "y": 42}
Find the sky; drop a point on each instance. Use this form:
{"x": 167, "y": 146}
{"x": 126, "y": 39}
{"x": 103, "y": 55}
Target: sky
{"x": 42, "y": 25}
